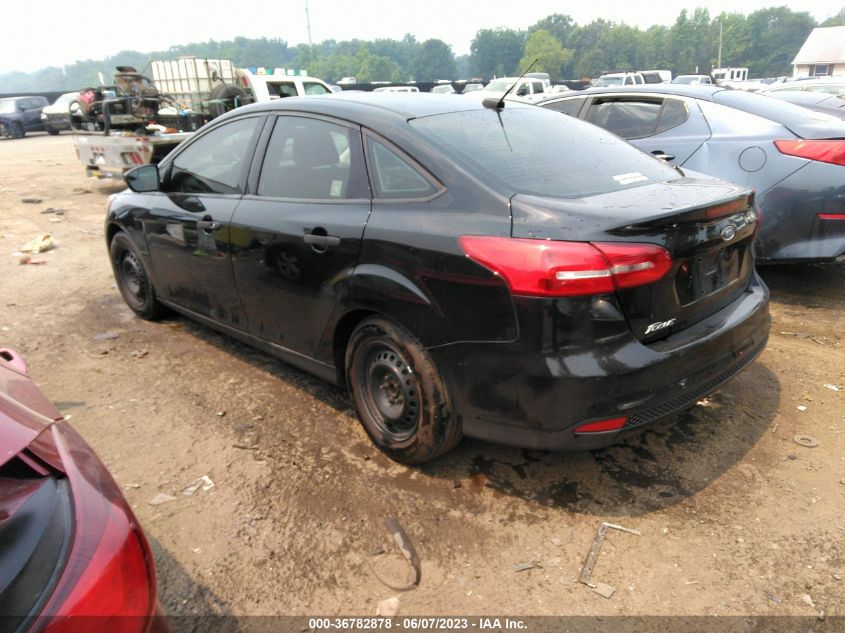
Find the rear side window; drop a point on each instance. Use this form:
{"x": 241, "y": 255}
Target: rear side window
{"x": 567, "y": 106}
{"x": 534, "y": 151}
{"x": 313, "y": 159}
{"x": 394, "y": 177}
{"x": 216, "y": 162}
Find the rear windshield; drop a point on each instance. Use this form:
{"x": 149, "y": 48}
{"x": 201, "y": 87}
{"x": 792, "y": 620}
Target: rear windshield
{"x": 541, "y": 152}
{"x": 792, "y": 116}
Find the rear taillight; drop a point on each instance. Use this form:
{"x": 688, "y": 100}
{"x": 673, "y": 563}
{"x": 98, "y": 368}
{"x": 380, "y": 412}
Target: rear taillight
{"x": 602, "y": 426}
{"x": 108, "y": 583}
{"x": 544, "y": 268}
{"x": 828, "y": 151}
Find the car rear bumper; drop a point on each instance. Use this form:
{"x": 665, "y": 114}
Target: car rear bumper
{"x": 508, "y": 394}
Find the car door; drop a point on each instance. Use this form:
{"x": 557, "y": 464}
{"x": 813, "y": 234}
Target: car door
{"x": 297, "y": 234}
{"x": 187, "y": 226}
{"x": 668, "y": 127}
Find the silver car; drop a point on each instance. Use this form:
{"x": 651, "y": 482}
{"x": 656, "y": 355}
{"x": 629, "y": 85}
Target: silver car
{"x": 793, "y": 157}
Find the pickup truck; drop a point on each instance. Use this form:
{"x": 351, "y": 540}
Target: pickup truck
{"x": 527, "y": 88}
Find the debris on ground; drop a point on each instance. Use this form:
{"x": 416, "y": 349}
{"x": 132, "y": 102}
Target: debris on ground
{"x": 161, "y": 498}
{"x": 39, "y": 244}
{"x": 31, "y": 200}
{"x": 408, "y": 551}
{"x": 801, "y": 407}
{"x": 525, "y": 566}
{"x": 106, "y": 336}
{"x": 201, "y": 483}
{"x": 139, "y": 353}
{"x": 833, "y": 387}
{"x": 806, "y": 599}
{"x": 604, "y": 590}
{"x": 81, "y": 190}
{"x": 388, "y": 608}
{"x": 132, "y": 486}
{"x": 807, "y": 441}
{"x": 773, "y": 598}
{"x": 29, "y": 259}
{"x": 54, "y": 210}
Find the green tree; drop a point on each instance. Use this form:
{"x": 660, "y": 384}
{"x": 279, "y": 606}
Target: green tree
{"x": 557, "y": 25}
{"x": 776, "y": 35}
{"x": 496, "y": 52}
{"x": 434, "y": 60}
{"x": 550, "y": 55}
{"x": 736, "y": 40}
{"x": 835, "y": 20}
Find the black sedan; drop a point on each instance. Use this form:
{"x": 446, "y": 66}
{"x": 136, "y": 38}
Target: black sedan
{"x": 503, "y": 273}
{"x": 793, "y": 157}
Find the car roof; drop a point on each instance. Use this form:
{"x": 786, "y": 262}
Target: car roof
{"x": 371, "y": 108}
{"x": 705, "y": 92}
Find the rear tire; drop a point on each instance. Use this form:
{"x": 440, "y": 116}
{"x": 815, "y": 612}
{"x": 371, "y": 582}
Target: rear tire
{"x": 17, "y": 130}
{"x": 52, "y": 131}
{"x": 132, "y": 279}
{"x": 400, "y": 396}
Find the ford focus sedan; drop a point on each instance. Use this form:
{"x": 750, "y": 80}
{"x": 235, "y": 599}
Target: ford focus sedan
{"x": 463, "y": 269}
{"x": 793, "y": 157}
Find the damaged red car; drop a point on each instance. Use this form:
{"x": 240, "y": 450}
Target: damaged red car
{"x": 73, "y": 557}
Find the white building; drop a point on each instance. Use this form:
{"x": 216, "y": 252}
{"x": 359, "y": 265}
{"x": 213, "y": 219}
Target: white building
{"x": 823, "y": 53}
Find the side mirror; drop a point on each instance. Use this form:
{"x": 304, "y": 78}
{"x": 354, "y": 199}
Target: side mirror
{"x": 143, "y": 179}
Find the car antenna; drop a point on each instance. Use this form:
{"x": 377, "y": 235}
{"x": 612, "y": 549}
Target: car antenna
{"x": 498, "y": 104}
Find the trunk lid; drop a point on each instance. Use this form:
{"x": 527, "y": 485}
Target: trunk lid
{"x": 706, "y": 225}
{"x": 24, "y": 411}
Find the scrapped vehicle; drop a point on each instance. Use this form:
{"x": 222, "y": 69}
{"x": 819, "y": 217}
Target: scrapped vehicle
{"x": 528, "y": 89}
{"x": 793, "y": 157}
{"x": 828, "y": 85}
{"x": 396, "y": 89}
{"x": 73, "y": 558}
{"x": 19, "y": 115}
{"x": 619, "y": 79}
{"x": 819, "y": 101}
{"x": 693, "y": 80}
{"x": 501, "y": 273}
{"x": 472, "y": 87}
{"x": 56, "y": 116}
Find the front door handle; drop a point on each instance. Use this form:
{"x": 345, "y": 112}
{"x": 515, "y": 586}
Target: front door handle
{"x": 321, "y": 240}
{"x": 208, "y": 225}
{"x": 659, "y": 153}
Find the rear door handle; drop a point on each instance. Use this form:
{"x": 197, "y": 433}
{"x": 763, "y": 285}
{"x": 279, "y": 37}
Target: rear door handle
{"x": 321, "y": 240}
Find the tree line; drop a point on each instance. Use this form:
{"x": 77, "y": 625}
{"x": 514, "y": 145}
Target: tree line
{"x": 765, "y": 41}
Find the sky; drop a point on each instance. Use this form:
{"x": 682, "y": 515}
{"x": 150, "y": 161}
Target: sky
{"x": 54, "y": 33}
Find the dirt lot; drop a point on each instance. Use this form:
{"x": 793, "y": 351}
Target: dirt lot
{"x": 735, "y": 516}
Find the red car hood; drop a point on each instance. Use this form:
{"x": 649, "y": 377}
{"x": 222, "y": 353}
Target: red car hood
{"x": 25, "y": 412}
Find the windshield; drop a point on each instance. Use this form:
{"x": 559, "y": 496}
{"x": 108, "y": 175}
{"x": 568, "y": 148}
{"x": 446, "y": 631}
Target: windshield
{"x": 498, "y": 85}
{"x": 607, "y": 81}
{"x": 7, "y": 106}
{"x": 788, "y": 114}
{"x": 539, "y": 152}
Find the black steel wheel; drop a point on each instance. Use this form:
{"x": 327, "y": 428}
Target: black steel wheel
{"x": 400, "y": 396}
{"x": 132, "y": 278}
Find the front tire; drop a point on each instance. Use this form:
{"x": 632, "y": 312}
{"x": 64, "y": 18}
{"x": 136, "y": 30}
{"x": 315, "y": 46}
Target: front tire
{"x": 133, "y": 280}
{"x": 51, "y": 131}
{"x": 400, "y": 396}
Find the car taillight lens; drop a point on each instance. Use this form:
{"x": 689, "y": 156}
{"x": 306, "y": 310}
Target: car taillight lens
{"x": 544, "y": 268}
{"x": 108, "y": 583}
{"x": 827, "y": 151}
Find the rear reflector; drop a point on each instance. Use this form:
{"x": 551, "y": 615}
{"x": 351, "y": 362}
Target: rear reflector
{"x": 614, "y": 424}
{"x": 545, "y": 268}
{"x": 829, "y": 151}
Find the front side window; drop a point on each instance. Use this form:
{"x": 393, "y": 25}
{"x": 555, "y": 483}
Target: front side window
{"x": 281, "y": 89}
{"x": 394, "y": 177}
{"x": 314, "y": 160}
{"x": 216, "y": 162}
{"x": 628, "y": 119}
{"x": 567, "y": 106}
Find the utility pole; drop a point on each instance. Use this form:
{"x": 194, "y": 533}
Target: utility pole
{"x": 308, "y": 23}
{"x": 719, "y": 62}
